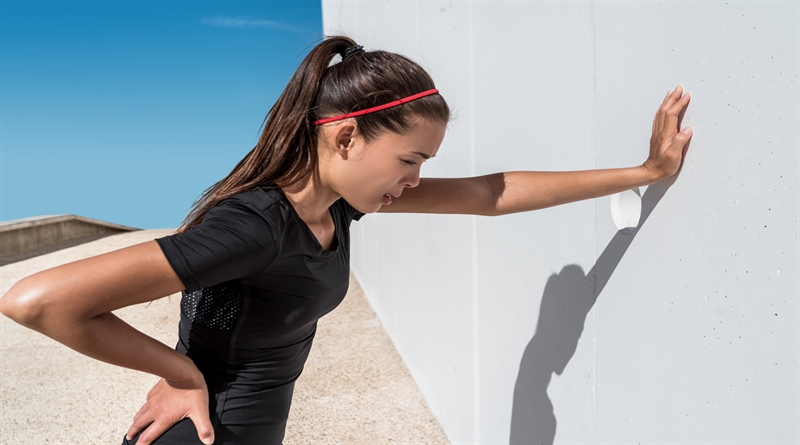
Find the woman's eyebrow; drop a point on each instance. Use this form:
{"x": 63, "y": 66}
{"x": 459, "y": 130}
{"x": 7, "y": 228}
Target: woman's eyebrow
{"x": 424, "y": 156}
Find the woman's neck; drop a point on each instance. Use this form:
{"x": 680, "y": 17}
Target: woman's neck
{"x": 311, "y": 200}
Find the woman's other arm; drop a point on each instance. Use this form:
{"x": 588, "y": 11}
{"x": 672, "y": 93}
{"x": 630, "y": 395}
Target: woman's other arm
{"x": 511, "y": 192}
{"x": 72, "y": 304}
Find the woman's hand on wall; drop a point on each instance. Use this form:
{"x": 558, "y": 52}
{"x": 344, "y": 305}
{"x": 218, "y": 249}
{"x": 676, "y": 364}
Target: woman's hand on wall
{"x": 668, "y": 144}
{"x": 168, "y": 403}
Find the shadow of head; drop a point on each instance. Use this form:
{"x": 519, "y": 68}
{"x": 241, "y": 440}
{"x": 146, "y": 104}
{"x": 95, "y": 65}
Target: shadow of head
{"x": 567, "y": 298}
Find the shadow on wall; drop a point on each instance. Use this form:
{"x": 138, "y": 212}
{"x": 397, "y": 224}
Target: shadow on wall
{"x": 568, "y": 297}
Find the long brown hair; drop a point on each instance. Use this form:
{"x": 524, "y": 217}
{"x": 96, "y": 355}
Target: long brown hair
{"x": 286, "y": 152}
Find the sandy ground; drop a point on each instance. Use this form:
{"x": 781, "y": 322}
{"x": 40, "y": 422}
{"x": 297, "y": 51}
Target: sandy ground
{"x": 354, "y": 390}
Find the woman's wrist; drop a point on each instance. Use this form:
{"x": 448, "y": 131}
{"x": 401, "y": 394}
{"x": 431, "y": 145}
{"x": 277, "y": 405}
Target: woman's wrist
{"x": 183, "y": 372}
{"x": 651, "y": 175}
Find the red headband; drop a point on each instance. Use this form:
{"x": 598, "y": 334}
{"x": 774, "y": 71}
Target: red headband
{"x": 378, "y": 108}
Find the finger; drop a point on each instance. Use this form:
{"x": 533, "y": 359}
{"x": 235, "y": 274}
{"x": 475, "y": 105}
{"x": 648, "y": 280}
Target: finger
{"x": 681, "y": 114}
{"x": 673, "y": 114}
{"x": 680, "y": 103}
{"x": 686, "y": 147}
{"x": 666, "y": 98}
{"x": 140, "y": 422}
{"x": 152, "y": 433}
{"x": 205, "y": 431}
{"x": 676, "y": 94}
{"x": 663, "y": 109}
{"x": 671, "y": 122}
{"x": 681, "y": 138}
{"x": 672, "y": 98}
{"x": 656, "y": 120}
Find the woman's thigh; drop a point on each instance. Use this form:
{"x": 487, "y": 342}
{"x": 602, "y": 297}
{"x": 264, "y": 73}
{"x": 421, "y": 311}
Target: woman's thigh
{"x": 249, "y": 417}
{"x": 182, "y": 433}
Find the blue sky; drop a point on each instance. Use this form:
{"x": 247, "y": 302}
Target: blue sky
{"x": 125, "y": 111}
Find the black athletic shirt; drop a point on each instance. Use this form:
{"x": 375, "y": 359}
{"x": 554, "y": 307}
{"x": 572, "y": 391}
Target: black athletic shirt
{"x": 257, "y": 280}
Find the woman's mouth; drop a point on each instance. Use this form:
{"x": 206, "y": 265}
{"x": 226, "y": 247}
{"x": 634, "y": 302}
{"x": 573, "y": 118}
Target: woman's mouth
{"x": 387, "y": 199}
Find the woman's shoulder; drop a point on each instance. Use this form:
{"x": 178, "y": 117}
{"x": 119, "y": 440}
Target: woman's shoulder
{"x": 250, "y": 211}
{"x": 236, "y": 239}
{"x": 261, "y": 200}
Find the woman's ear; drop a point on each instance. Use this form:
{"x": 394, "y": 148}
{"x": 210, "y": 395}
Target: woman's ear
{"x": 343, "y": 135}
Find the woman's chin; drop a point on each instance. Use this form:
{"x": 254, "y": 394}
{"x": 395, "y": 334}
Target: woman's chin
{"x": 369, "y": 209}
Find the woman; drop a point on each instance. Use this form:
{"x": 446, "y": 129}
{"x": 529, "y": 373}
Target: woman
{"x": 264, "y": 253}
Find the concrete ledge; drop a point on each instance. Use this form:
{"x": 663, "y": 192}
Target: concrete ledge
{"x": 27, "y": 237}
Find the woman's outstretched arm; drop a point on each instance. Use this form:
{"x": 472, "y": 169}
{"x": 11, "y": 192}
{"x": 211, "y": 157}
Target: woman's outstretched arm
{"x": 511, "y": 192}
{"x": 72, "y": 304}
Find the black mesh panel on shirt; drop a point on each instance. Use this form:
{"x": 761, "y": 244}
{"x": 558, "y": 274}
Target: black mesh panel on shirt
{"x": 215, "y": 307}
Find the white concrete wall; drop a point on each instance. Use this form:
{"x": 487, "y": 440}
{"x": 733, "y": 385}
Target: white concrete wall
{"x": 551, "y": 325}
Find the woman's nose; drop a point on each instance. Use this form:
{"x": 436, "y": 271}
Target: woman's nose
{"x": 412, "y": 180}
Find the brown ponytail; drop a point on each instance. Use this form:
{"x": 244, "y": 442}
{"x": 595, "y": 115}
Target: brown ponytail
{"x": 286, "y": 152}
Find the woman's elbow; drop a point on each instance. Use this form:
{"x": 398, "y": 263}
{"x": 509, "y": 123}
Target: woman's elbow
{"x": 25, "y": 303}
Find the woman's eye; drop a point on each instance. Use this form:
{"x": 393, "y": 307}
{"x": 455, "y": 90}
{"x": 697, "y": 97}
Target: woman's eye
{"x": 409, "y": 162}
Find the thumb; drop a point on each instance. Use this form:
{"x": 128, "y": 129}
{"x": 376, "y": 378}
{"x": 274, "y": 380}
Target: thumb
{"x": 204, "y": 429}
{"x": 683, "y": 136}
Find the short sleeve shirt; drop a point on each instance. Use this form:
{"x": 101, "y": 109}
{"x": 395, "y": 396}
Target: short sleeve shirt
{"x": 257, "y": 280}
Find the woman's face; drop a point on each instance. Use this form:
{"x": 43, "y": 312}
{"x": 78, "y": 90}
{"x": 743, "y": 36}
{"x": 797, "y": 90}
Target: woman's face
{"x": 369, "y": 174}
